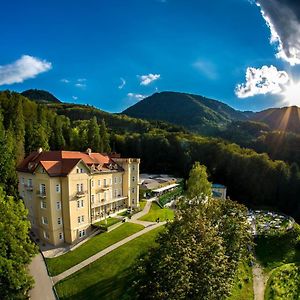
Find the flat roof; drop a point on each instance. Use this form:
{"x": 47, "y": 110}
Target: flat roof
{"x": 218, "y": 186}
{"x": 165, "y": 188}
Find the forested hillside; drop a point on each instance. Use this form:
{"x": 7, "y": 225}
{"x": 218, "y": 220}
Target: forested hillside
{"x": 196, "y": 113}
{"x": 252, "y": 178}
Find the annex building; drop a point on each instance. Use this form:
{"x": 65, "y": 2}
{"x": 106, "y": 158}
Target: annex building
{"x": 65, "y": 192}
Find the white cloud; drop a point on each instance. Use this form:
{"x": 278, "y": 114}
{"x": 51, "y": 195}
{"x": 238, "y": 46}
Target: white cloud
{"x": 122, "y": 84}
{"x": 147, "y": 79}
{"x": 206, "y": 68}
{"x": 74, "y": 97}
{"x": 137, "y": 97}
{"x": 24, "y": 68}
{"x": 283, "y": 19}
{"x": 81, "y": 79}
{"x": 64, "y": 80}
{"x": 80, "y": 85}
{"x": 262, "y": 81}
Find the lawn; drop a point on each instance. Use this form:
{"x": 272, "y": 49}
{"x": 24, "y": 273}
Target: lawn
{"x": 275, "y": 250}
{"x": 156, "y": 212}
{"x": 107, "y": 223}
{"x": 284, "y": 283}
{"x": 243, "y": 285}
{"x": 143, "y": 204}
{"x": 108, "y": 277}
{"x": 61, "y": 263}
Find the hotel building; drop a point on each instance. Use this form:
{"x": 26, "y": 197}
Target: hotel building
{"x": 65, "y": 192}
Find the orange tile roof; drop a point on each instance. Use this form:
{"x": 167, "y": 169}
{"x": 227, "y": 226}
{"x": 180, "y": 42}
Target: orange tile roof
{"x": 61, "y": 163}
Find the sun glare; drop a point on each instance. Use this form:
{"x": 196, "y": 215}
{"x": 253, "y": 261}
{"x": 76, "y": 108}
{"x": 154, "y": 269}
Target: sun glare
{"x": 292, "y": 94}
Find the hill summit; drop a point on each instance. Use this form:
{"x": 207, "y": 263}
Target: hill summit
{"x": 40, "y": 96}
{"x": 196, "y": 113}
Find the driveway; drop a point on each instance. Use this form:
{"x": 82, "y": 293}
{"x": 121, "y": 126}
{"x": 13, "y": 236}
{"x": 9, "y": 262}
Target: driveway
{"x": 43, "y": 286}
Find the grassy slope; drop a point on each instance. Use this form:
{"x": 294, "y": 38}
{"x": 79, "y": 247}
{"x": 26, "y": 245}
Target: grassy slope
{"x": 61, "y": 263}
{"x": 276, "y": 250}
{"x": 108, "y": 277}
{"x": 284, "y": 283}
{"x": 110, "y": 222}
{"x": 275, "y": 253}
{"x": 156, "y": 212}
{"x": 243, "y": 286}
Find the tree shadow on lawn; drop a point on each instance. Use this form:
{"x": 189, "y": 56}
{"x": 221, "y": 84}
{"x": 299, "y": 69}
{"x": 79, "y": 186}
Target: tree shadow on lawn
{"x": 278, "y": 249}
{"x": 113, "y": 288}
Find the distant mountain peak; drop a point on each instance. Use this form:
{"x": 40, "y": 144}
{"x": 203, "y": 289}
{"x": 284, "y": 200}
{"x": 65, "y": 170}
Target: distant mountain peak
{"x": 40, "y": 96}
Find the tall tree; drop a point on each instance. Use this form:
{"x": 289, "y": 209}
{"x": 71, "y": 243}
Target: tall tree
{"x": 104, "y": 138}
{"x": 16, "y": 249}
{"x": 198, "y": 184}
{"x": 93, "y": 135}
{"x": 197, "y": 255}
{"x": 19, "y": 130}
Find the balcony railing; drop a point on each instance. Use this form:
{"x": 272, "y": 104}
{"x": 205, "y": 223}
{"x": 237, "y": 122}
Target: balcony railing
{"x": 28, "y": 187}
{"x": 41, "y": 194}
{"x": 106, "y": 187}
{"x": 80, "y": 194}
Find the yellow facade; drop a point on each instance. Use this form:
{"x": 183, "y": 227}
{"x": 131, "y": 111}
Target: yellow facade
{"x": 61, "y": 209}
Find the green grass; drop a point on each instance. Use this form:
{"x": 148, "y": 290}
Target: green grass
{"x": 284, "y": 283}
{"x": 109, "y": 277}
{"x": 243, "y": 285}
{"x": 156, "y": 212}
{"x": 275, "y": 250}
{"x": 109, "y": 222}
{"x": 62, "y": 263}
{"x": 143, "y": 204}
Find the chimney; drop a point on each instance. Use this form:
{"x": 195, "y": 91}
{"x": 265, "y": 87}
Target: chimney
{"x": 89, "y": 151}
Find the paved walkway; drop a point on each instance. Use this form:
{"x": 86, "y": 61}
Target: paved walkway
{"x": 43, "y": 286}
{"x": 259, "y": 282}
{"x": 144, "y": 211}
{"x": 104, "y": 252}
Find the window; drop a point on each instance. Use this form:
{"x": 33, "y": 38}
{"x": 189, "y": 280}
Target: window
{"x": 58, "y": 205}
{"x": 92, "y": 199}
{"x": 104, "y": 196}
{"x": 78, "y": 219}
{"x": 77, "y": 170}
{"x": 116, "y": 193}
{"x": 43, "y": 188}
{"x": 133, "y": 178}
{"x": 81, "y": 187}
{"x": 22, "y": 180}
{"x": 132, "y": 201}
{"x": 99, "y": 197}
{"x": 132, "y": 190}
{"x": 104, "y": 182}
{"x": 116, "y": 179}
{"x": 81, "y": 171}
{"x": 61, "y": 236}
{"x": 81, "y": 233}
{"x": 110, "y": 180}
{"x": 45, "y": 220}
{"x": 29, "y": 182}
{"x": 133, "y": 167}
{"x": 82, "y": 219}
{"x": 57, "y": 188}
{"x": 43, "y": 204}
{"x": 59, "y": 221}
{"x": 99, "y": 182}
{"x": 92, "y": 183}
{"x": 82, "y": 203}
{"x": 46, "y": 235}
{"x": 120, "y": 179}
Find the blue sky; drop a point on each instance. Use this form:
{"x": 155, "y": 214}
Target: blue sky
{"x": 111, "y": 54}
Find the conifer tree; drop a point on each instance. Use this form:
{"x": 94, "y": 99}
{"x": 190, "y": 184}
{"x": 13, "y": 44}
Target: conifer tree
{"x": 104, "y": 137}
{"x": 93, "y": 135}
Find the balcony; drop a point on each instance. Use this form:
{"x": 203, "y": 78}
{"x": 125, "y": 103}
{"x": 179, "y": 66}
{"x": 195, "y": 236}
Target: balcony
{"x": 28, "y": 187}
{"x": 41, "y": 194}
{"x": 106, "y": 187}
{"x": 80, "y": 194}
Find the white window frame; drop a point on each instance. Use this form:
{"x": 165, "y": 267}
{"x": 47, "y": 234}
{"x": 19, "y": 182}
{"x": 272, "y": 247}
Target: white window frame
{"x": 46, "y": 235}
{"x": 58, "y": 205}
{"x": 43, "y": 204}
{"x": 59, "y": 221}
{"x": 133, "y": 190}
{"x": 43, "y": 188}
{"x": 92, "y": 183}
{"x": 22, "y": 180}
{"x": 61, "y": 236}
{"x": 99, "y": 182}
{"x": 45, "y": 220}
{"x": 57, "y": 188}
